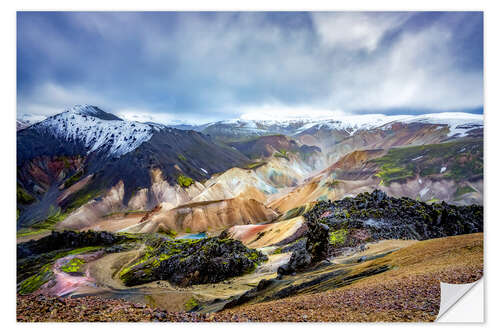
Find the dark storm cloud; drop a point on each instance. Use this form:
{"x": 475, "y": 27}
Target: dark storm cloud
{"x": 197, "y": 67}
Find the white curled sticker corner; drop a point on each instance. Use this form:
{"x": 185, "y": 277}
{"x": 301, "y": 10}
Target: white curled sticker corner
{"x": 461, "y": 302}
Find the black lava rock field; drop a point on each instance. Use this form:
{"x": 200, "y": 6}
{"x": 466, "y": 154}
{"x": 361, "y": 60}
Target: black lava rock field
{"x": 397, "y": 218}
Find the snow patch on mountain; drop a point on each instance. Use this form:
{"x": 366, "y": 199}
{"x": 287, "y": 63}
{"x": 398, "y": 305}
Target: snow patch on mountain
{"x": 84, "y": 124}
{"x": 22, "y": 124}
{"x": 93, "y": 111}
{"x": 459, "y": 123}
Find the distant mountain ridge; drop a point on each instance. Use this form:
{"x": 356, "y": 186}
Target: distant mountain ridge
{"x": 458, "y": 123}
{"x": 22, "y": 124}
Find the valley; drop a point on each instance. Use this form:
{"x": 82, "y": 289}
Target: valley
{"x": 239, "y": 220}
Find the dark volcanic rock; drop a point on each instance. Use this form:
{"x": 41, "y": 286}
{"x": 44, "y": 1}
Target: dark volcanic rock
{"x": 67, "y": 240}
{"x": 300, "y": 259}
{"x": 402, "y": 218}
{"x": 300, "y": 243}
{"x": 188, "y": 262}
{"x": 315, "y": 250}
{"x": 317, "y": 240}
{"x": 374, "y": 216}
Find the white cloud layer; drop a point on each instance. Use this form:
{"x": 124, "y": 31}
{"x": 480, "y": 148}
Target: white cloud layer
{"x": 356, "y": 30}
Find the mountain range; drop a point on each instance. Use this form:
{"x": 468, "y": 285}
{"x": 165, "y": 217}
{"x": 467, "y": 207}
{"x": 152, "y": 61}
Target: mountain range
{"x": 216, "y": 219}
{"x": 86, "y": 168}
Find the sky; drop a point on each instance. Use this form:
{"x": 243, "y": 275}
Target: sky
{"x": 193, "y": 68}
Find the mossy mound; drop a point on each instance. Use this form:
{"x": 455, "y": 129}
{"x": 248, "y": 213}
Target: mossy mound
{"x": 402, "y": 218}
{"x": 188, "y": 262}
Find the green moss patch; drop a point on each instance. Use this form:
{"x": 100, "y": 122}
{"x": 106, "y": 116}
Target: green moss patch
{"x": 34, "y": 282}
{"x": 254, "y": 165}
{"x": 169, "y": 233}
{"x": 23, "y": 197}
{"x": 279, "y": 250}
{"x": 338, "y": 237}
{"x": 73, "y": 179}
{"x": 82, "y": 197}
{"x": 282, "y": 153}
{"x": 191, "y": 305}
{"x": 332, "y": 184}
{"x": 462, "y": 159}
{"x": 73, "y": 266}
{"x": 125, "y": 213}
{"x": 461, "y": 190}
{"x": 184, "y": 181}
{"x": 294, "y": 212}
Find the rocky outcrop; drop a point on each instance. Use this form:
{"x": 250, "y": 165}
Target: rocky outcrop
{"x": 315, "y": 250}
{"x": 398, "y": 218}
{"x": 188, "y": 262}
{"x": 67, "y": 240}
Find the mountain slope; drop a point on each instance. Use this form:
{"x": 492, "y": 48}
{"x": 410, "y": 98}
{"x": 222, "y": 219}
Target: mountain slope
{"x": 206, "y": 216}
{"x": 450, "y": 171}
{"x": 110, "y": 150}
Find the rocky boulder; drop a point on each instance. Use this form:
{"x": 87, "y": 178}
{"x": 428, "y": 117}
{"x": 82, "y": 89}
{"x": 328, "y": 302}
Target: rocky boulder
{"x": 189, "y": 262}
{"x": 314, "y": 251}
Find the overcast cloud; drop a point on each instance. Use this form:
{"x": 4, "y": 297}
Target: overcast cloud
{"x": 200, "y": 67}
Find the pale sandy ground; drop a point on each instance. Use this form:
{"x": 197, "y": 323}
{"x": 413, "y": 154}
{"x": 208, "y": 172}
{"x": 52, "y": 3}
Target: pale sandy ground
{"x": 116, "y": 222}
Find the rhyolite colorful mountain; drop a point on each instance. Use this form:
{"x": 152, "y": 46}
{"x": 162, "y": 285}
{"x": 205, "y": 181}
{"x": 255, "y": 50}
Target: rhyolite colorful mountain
{"x": 86, "y": 143}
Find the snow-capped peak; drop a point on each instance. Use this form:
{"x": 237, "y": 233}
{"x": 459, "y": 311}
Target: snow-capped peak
{"x": 84, "y": 109}
{"x": 97, "y": 130}
{"x": 93, "y": 111}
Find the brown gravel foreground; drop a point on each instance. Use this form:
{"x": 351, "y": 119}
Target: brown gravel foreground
{"x": 408, "y": 292}
{"x": 35, "y": 308}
